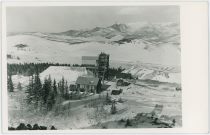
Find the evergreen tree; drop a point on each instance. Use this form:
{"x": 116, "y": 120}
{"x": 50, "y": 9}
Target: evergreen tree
{"x": 29, "y": 90}
{"x": 49, "y": 93}
{"x": 51, "y": 100}
{"x": 54, "y": 87}
{"x": 52, "y": 97}
{"x": 19, "y": 86}
{"x": 66, "y": 89}
{"x": 62, "y": 87}
{"x": 59, "y": 88}
{"x": 37, "y": 91}
{"x": 10, "y": 86}
{"x": 46, "y": 90}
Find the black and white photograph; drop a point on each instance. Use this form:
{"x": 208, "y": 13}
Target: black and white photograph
{"x": 93, "y": 67}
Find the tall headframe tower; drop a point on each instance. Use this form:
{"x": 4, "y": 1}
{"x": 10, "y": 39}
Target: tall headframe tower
{"x": 103, "y": 66}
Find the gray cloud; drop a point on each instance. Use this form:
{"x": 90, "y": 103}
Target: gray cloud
{"x": 57, "y": 19}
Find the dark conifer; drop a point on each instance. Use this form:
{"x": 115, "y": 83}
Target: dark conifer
{"x": 46, "y": 90}
{"x": 37, "y": 89}
{"x": 55, "y": 87}
{"x": 29, "y": 90}
{"x": 10, "y": 86}
{"x": 62, "y": 87}
{"x": 66, "y": 89}
{"x": 19, "y": 86}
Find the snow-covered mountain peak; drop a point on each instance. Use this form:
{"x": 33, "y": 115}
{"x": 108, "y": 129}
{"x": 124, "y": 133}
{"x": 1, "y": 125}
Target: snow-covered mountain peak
{"x": 119, "y": 27}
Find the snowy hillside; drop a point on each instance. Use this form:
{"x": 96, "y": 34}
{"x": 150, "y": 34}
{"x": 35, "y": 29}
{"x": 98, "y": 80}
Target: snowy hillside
{"x": 127, "y": 44}
{"x": 70, "y": 74}
{"x": 153, "y": 33}
{"x": 157, "y": 73}
{"x": 43, "y": 50}
{"x": 40, "y": 50}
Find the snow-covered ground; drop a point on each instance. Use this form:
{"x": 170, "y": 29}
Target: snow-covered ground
{"x": 145, "y": 58}
{"x": 43, "y": 50}
{"x": 155, "y": 72}
{"x": 141, "y": 96}
{"x": 23, "y": 80}
{"x": 70, "y": 74}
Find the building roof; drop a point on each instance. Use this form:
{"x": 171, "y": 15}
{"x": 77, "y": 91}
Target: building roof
{"x": 70, "y": 74}
{"x": 87, "y": 80}
{"x": 89, "y": 57}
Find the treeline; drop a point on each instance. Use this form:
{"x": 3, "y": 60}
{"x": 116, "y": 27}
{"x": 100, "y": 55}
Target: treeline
{"x": 117, "y": 72}
{"x": 29, "y": 69}
{"x": 49, "y": 94}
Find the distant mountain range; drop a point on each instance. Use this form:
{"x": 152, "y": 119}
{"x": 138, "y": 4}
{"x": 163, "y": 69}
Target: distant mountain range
{"x": 149, "y": 33}
{"x": 121, "y": 33}
{"x": 108, "y": 32}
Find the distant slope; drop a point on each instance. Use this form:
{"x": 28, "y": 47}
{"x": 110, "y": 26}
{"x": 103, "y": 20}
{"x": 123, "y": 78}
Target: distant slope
{"x": 70, "y": 74}
{"x": 155, "y": 72}
{"x": 151, "y": 33}
{"x": 42, "y": 50}
{"x": 129, "y": 45}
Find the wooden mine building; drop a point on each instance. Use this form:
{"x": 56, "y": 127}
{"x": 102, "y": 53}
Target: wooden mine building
{"x": 99, "y": 65}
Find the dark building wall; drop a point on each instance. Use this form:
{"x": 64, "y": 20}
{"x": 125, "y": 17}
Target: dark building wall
{"x": 87, "y": 88}
{"x": 90, "y": 88}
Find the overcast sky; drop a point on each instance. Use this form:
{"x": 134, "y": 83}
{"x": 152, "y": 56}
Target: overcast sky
{"x": 59, "y": 19}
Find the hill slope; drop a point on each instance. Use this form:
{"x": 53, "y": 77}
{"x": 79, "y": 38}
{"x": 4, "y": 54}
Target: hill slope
{"x": 127, "y": 44}
{"x": 42, "y": 50}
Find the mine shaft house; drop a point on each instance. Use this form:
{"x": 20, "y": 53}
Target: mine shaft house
{"x": 88, "y": 84}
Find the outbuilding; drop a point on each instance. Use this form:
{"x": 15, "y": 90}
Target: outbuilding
{"x": 88, "y": 84}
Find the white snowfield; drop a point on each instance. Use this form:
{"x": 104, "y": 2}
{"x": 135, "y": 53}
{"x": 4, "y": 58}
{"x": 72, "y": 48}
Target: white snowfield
{"x": 163, "y": 74}
{"x": 70, "y": 74}
{"x": 23, "y": 80}
{"x": 42, "y": 50}
{"x": 144, "y": 45}
{"x": 153, "y": 53}
{"x": 140, "y": 97}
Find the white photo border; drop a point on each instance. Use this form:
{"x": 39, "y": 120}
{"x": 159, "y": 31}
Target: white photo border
{"x": 194, "y": 66}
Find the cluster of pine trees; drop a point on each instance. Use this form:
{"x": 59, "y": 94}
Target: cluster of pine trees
{"x": 45, "y": 96}
{"x": 29, "y": 69}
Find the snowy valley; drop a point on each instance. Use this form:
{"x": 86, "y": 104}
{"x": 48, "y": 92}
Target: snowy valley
{"x": 129, "y": 46}
{"x": 149, "y": 52}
